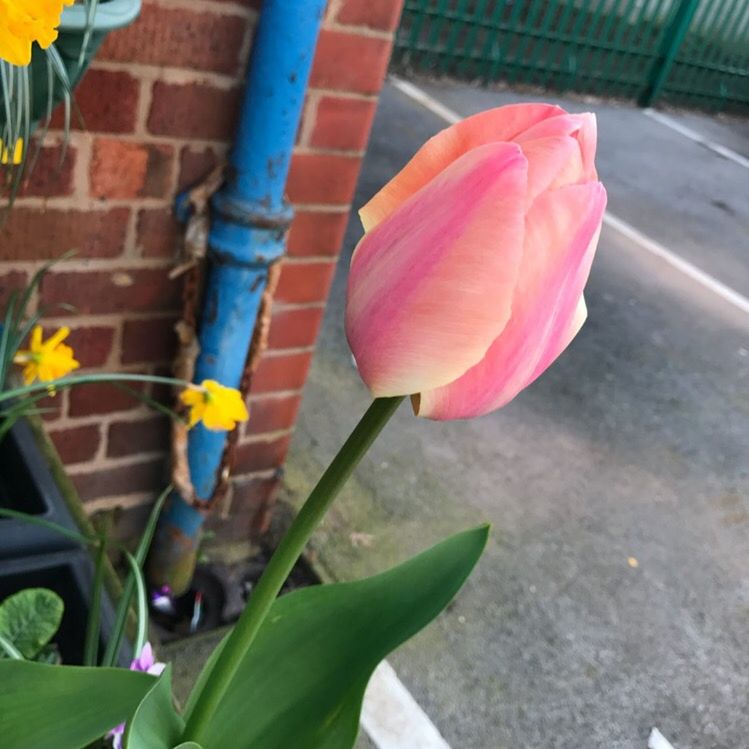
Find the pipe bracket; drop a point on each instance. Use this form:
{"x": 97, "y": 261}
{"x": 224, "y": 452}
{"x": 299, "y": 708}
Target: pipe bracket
{"x": 252, "y": 215}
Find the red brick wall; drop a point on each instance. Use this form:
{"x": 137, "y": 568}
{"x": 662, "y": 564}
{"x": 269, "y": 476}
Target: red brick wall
{"x": 159, "y": 105}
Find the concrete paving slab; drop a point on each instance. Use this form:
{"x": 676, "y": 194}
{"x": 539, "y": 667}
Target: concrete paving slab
{"x": 613, "y": 596}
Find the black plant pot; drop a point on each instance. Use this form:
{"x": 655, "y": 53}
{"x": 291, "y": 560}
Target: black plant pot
{"x": 70, "y": 575}
{"x": 27, "y": 485}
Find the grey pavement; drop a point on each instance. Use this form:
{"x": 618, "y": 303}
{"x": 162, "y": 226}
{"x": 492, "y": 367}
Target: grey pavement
{"x": 633, "y": 446}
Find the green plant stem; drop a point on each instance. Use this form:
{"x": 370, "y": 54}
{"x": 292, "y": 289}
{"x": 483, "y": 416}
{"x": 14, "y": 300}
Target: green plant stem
{"x": 134, "y": 582}
{"x": 91, "y": 648}
{"x": 65, "y": 382}
{"x": 282, "y": 562}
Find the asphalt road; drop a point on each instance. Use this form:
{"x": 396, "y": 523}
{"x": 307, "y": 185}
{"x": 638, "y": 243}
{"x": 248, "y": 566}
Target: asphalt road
{"x": 614, "y": 594}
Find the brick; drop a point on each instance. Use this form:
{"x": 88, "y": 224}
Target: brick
{"x": 9, "y": 281}
{"x": 261, "y": 455}
{"x": 272, "y": 414}
{"x": 382, "y": 15}
{"x": 294, "y": 328}
{"x": 53, "y": 172}
{"x": 152, "y": 341}
{"x": 145, "y": 476}
{"x": 102, "y": 292}
{"x": 102, "y": 398}
{"x": 130, "y": 170}
{"x": 195, "y": 165}
{"x": 193, "y": 110}
{"x": 158, "y": 233}
{"x": 281, "y": 373}
{"x": 249, "y": 514}
{"x": 314, "y": 233}
{"x": 322, "y": 178}
{"x": 92, "y": 345}
{"x": 76, "y": 444}
{"x": 53, "y": 407}
{"x": 342, "y": 123}
{"x": 142, "y": 436}
{"x": 302, "y": 283}
{"x": 179, "y": 38}
{"x": 350, "y": 62}
{"x": 43, "y": 233}
{"x": 107, "y": 101}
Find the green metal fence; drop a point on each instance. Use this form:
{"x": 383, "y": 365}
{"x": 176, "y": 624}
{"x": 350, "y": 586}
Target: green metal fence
{"x": 688, "y": 52}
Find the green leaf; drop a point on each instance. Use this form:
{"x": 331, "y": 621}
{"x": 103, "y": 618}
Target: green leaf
{"x": 188, "y": 745}
{"x": 29, "y": 619}
{"x": 156, "y": 724}
{"x": 65, "y": 707}
{"x": 302, "y": 682}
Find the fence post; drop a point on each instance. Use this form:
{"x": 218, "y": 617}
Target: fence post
{"x": 672, "y": 40}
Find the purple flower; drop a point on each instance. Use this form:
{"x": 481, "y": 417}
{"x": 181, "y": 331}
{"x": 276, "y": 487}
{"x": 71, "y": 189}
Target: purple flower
{"x": 146, "y": 663}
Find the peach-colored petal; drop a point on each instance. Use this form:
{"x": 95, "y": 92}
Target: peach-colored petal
{"x": 431, "y": 287}
{"x": 580, "y": 126}
{"x": 561, "y": 235}
{"x": 494, "y": 125}
{"x": 587, "y": 136}
{"x": 552, "y": 162}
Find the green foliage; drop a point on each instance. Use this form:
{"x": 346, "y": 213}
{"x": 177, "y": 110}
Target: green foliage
{"x": 29, "y": 620}
{"x": 64, "y": 707}
{"x": 302, "y": 682}
{"x": 156, "y": 724}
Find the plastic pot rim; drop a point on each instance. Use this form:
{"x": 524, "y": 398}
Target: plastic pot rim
{"x": 110, "y": 15}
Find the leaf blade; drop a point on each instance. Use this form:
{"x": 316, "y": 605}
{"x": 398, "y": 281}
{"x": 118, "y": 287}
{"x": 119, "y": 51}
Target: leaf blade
{"x": 319, "y": 646}
{"x": 30, "y": 618}
{"x": 156, "y": 724}
{"x": 65, "y": 707}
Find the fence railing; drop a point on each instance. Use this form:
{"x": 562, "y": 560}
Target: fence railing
{"x": 689, "y": 52}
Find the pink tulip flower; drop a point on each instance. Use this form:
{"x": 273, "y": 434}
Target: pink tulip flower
{"x": 469, "y": 280}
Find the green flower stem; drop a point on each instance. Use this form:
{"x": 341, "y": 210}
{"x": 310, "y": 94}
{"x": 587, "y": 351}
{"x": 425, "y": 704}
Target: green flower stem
{"x": 282, "y": 562}
{"x": 84, "y": 379}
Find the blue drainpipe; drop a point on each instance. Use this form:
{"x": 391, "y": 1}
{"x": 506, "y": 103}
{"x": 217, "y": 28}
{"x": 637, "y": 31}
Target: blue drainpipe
{"x": 249, "y": 220}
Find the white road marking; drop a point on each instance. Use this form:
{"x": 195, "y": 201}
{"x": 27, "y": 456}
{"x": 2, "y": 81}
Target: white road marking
{"x": 426, "y": 100}
{"x": 712, "y": 284}
{"x": 657, "y": 740}
{"x": 698, "y": 275}
{"x": 687, "y": 132}
{"x": 393, "y": 719}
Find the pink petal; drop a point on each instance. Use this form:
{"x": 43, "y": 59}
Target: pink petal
{"x": 561, "y": 235}
{"x": 494, "y": 125}
{"x": 431, "y": 287}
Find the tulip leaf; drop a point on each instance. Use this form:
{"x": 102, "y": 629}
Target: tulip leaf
{"x": 30, "y": 618}
{"x": 65, "y": 707}
{"x": 302, "y": 682}
{"x": 156, "y": 724}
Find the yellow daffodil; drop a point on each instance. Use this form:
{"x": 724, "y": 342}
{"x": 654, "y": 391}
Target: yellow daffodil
{"x": 219, "y": 408}
{"x": 23, "y": 22}
{"x": 6, "y": 157}
{"x": 46, "y": 360}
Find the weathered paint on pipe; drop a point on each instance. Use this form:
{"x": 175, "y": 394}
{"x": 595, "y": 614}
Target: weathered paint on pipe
{"x": 248, "y": 233}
